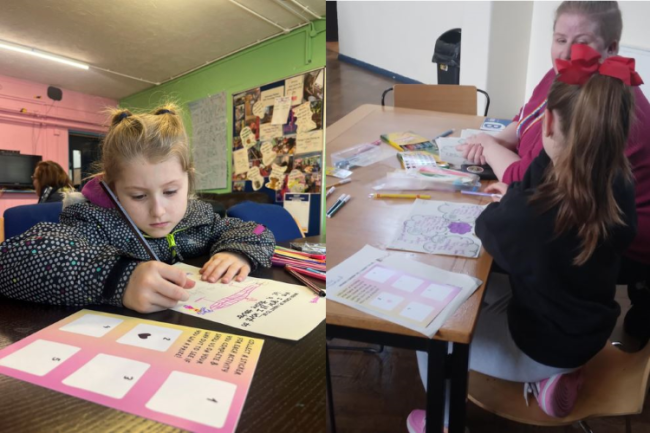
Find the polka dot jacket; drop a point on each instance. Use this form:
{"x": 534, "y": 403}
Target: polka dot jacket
{"x": 88, "y": 258}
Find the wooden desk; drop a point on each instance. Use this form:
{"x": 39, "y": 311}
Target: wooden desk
{"x": 363, "y": 221}
{"x": 286, "y": 393}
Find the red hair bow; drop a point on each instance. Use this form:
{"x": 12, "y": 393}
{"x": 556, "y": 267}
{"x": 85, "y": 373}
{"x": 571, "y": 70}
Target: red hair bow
{"x": 585, "y": 62}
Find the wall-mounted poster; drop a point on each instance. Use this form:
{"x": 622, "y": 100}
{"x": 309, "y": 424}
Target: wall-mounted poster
{"x": 278, "y": 139}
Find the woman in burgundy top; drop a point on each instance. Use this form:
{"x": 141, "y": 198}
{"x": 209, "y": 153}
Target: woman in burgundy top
{"x": 510, "y": 153}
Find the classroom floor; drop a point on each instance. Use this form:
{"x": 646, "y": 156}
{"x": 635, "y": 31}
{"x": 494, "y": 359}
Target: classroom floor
{"x": 349, "y": 86}
{"x": 375, "y": 393}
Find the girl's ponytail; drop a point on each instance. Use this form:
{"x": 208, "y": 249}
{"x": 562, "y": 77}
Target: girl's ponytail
{"x": 595, "y": 116}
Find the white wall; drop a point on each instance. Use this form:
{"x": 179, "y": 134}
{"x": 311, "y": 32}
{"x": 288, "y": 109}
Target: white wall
{"x": 400, "y": 36}
{"x": 508, "y": 57}
{"x": 505, "y": 49}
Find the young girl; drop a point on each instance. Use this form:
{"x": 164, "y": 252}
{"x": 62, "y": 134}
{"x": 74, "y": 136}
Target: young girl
{"x": 91, "y": 257}
{"x": 560, "y": 234}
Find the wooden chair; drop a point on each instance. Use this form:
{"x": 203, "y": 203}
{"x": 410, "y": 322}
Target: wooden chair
{"x": 616, "y": 384}
{"x": 447, "y": 98}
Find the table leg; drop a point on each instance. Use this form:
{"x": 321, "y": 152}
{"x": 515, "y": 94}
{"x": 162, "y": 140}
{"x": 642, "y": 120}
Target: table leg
{"x": 330, "y": 397}
{"x": 458, "y": 397}
{"x": 436, "y": 386}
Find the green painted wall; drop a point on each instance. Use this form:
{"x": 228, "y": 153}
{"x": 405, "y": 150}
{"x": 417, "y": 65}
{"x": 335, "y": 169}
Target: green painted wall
{"x": 289, "y": 54}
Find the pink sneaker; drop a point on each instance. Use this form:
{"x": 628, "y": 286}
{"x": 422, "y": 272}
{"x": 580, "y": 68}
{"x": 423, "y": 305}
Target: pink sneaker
{"x": 416, "y": 421}
{"x": 558, "y": 394}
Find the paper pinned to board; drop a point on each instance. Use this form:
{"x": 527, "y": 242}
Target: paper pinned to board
{"x": 295, "y": 89}
{"x": 417, "y": 296}
{"x": 269, "y": 131}
{"x": 281, "y": 110}
{"x": 257, "y": 305}
{"x": 268, "y": 97}
{"x": 308, "y": 142}
{"x": 298, "y": 206}
{"x": 240, "y": 161}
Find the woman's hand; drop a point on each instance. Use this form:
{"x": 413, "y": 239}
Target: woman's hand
{"x": 156, "y": 286}
{"x": 497, "y": 188}
{"x": 225, "y": 266}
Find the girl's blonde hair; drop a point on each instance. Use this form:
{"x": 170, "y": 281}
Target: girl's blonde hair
{"x": 605, "y": 14}
{"x": 595, "y": 120}
{"x": 155, "y": 136}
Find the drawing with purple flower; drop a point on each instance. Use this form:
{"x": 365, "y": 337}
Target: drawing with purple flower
{"x": 460, "y": 228}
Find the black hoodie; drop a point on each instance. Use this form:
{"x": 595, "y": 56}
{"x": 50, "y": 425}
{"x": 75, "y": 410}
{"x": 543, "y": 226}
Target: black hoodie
{"x": 561, "y": 314}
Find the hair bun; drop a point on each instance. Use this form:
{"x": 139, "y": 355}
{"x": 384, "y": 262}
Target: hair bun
{"x": 164, "y": 111}
{"x": 119, "y": 116}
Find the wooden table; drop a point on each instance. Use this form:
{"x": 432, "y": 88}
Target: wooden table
{"x": 286, "y": 393}
{"x": 364, "y": 221}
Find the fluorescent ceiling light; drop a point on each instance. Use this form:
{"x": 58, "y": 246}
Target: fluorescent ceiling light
{"x": 35, "y": 52}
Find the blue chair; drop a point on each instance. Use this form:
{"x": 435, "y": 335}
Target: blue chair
{"x": 19, "y": 219}
{"x": 274, "y": 217}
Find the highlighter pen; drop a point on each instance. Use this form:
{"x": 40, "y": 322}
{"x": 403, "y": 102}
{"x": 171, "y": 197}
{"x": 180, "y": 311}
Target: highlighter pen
{"x": 484, "y": 194}
{"x": 343, "y": 182}
{"x": 345, "y": 200}
{"x": 336, "y": 203}
{"x": 446, "y": 133}
{"x": 329, "y": 191}
{"x": 424, "y": 196}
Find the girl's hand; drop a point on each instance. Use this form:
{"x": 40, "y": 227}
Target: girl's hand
{"x": 225, "y": 266}
{"x": 475, "y": 146}
{"x": 497, "y": 188}
{"x": 156, "y": 286}
{"x": 472, "y": 152}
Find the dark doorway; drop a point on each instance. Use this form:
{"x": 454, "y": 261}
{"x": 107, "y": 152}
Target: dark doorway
{"x": 83, "y": 153}
{"x": 332, "y": 22}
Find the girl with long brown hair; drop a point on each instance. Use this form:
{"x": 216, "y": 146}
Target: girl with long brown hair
{"x": 51, "y": 182}
{"x": 560, "y": 234}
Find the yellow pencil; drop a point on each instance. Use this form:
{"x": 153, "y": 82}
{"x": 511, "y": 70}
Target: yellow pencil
{"x": 394, "y": 145}
{"x": 400, "y": 196}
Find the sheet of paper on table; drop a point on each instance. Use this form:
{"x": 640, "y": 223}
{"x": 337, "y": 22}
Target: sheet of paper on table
{"x": 257, "y": 305}
{"x": 439, "y": 227}
{"x": 469, "y": 132}
{"x": 189, "y": 378}
{"x": 406, "y": 292}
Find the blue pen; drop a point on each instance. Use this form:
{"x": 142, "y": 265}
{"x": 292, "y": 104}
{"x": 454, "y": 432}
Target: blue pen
{"x": 446, "y": 133}
{"x": 315, "y": 271}
{"x": 484, "y": 194}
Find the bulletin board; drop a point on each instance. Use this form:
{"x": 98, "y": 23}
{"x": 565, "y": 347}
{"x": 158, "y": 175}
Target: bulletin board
{"x": 278, "y": 143}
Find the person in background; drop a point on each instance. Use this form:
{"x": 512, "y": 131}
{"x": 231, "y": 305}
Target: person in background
{"x": 599, "y": 25}
{"x": 51, "y": 182}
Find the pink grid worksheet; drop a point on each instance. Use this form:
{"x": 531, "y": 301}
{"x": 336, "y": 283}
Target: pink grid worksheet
{"x": 189, "y": 378}
{"x": 395, "y": 294}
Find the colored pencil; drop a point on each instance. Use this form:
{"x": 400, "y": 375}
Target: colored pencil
{"x": 320, "y": 292}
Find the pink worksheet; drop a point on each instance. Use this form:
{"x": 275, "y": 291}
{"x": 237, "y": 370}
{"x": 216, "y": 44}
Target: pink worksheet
{"x": 189, "y": 378}
{"x": 394, "y": 294}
